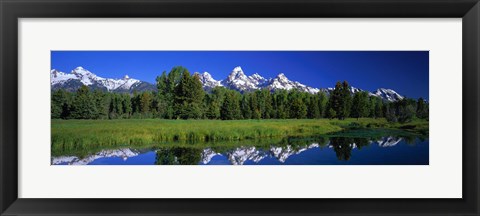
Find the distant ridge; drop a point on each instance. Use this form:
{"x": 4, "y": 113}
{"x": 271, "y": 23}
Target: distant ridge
{"x": 81, "y": 76}
{"x": 237, "y": 80}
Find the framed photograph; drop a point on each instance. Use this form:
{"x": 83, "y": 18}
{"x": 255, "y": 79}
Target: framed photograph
{"x": 225, "y": 107}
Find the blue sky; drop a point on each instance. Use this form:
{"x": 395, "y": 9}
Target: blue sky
{"x": 404, "y": 71}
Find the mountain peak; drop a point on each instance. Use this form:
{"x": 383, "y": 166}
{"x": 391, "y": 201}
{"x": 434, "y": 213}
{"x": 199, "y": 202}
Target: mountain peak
{"x": 236, "y": 74}
{"x": 257, "y": 79}
{"x": 239, "y": 81}
{"x": 208, "y": 81}
{"x": 206, "y": 75}
{"x": 70, "y": 81}
{"x": 256, "y": 75}
{"x": 385, "y": 90}
{"x": 81, "y": 70}
{"x": 238, "y": 69}
{"x": 388, "y": 94}
{"x": 282, "y": 76}
{"x": 54, "y": 72}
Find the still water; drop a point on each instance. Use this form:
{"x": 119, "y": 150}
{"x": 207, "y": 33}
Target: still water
{"x": 326, "y": 151}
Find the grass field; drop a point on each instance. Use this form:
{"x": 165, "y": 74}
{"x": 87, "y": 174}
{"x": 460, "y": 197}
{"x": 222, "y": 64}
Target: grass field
{"x": 87, "y": 135}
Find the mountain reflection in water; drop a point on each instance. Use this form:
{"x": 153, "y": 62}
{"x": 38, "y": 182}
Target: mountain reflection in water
{"x": 332, "y": 151}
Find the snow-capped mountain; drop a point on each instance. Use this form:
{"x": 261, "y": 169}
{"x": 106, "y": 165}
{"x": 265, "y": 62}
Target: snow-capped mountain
{"x": 208, "y": 81}
{"x": 389, "y": 141}
{"x": 388, "y": 94}
{"x": 282, "y": 82}
{"x": 124, "y": 153}
{"x": 81, "y": 76}
{"x": 239, "y": 155}
{"x": 237, "y": 80}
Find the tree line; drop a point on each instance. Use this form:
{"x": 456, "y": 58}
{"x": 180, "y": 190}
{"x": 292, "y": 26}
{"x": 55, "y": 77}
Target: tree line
{"x": 180, "y": 95}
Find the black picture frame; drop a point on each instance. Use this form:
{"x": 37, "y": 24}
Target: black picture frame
{"x": 12, "y": 10}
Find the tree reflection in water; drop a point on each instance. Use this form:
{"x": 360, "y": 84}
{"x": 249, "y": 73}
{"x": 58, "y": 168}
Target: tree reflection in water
{"x": 178, "y": 156}
{"x": 342, "y": 146}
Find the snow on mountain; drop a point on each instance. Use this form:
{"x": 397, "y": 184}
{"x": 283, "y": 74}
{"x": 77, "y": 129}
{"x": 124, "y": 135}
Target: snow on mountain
{"x": 236, "y": 156}
{"x": 208, "y": 81}
{"x": 282, "y": 82}
{"x": 239, "y": 155}
{"x": 257, "y": 79}
{"x": 389, "y": 141}
{"x": 354, "y": 90}
{"x": 388, "y": 94}
{"x": 385, "y": 94}
{"x": 124, "y": 153}
{"x": 208, "y": 154}
{"x": 60, "y": 79}
{"x": 237, "y": 80}
{"x": 57, "y": 77}
{"x": 85, "y": 76}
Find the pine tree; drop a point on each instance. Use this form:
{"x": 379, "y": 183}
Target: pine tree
{"x": 189, "y": 97}
{"x": 298, "y": 108}
{"x": 101, "y": 103}
{"x": 59, "y": 104}
{"x": 422, "y": 109}
{"x": 313, "y": 109}
{"x": 331, "y": 113}
{"x": 67, "y": 106}
{"x": 212, "y": 107}
{"x": 281, "y": 104}
{"x": 360, "y": 104}
{"x": 231, "y": 107}
{"x": 197, "y": 97}
{"x": 245, "y": 106}
{"x": 322, "y": 103}
{"x": 256, "y": 112}
{"x": 334, "y": 104}
{"x": 166, "y": 90}
{"x": 371, "y": 106}
{"x": 345, "y": 101}
{"x": 214, "y": 102}
{"x": 118, "y": 105}
{"x": 267, "y": 101}
{"x": 127, "y": 105}
{"x": 378, "y": 107}
{"x": 181, "y": 93}
{"x": 145, "y": 103}
{"x": 406, "y": 110}
{"x": 260, "y": 105}
{"x": 83, "y": 106}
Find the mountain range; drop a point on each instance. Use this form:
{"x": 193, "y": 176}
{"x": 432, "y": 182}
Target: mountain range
{"x": 240, "y": 155}
{"x": 236, "y": 156}
{"x": 236, "y": 80}
{"x": 80, "y": 76}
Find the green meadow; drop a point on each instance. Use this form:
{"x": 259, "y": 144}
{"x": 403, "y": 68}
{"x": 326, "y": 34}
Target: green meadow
{"x": 86, "y": 136}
